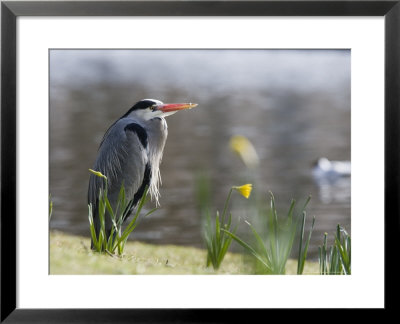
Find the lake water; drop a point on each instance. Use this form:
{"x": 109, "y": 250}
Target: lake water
{"x": 293, "y": 105}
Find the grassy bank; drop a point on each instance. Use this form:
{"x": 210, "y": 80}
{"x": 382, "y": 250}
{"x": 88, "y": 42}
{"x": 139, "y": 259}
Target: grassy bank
{"x": 72, "y": 255}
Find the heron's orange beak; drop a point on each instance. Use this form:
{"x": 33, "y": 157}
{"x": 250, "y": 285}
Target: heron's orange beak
{"x": 175, "y": 107}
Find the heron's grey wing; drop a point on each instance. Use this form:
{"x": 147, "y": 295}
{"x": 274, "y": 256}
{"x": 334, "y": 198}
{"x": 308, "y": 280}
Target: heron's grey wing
{"x": 123, "y": 159}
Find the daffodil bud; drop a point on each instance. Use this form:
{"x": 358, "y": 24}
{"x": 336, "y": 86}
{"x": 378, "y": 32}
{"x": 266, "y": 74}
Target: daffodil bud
{"x": 98, "y": 173}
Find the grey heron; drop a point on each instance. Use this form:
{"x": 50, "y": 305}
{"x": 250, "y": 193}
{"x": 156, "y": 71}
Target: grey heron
{"x": 130, "y": 154}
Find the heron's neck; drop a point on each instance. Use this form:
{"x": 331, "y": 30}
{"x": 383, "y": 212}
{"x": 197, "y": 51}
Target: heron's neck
{"x": 157, "y": 132}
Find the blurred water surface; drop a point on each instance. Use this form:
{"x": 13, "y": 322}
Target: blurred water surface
{"x": 293, "y": 105}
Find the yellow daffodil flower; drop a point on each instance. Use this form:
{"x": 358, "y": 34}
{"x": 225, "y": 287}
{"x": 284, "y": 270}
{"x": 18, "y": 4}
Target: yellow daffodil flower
{"x": 246, "y": 151}
{"x": 245, "y": 190}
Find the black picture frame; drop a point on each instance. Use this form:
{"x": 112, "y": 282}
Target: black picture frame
{"x": 10, "y": 10}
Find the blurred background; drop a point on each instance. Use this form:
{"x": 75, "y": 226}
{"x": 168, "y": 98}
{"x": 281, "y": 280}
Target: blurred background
{"x": 293, "y": 105}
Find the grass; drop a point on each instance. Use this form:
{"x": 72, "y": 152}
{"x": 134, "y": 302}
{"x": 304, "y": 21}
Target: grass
{"x": 71, "y": 254}
{"x": 303, "y": 251}
{"x": 272, "y": 247}
{"x": 216, "y": 238}
{"x": 336, "y": 260}
{"x": 272, "y": 250}
{"x": 217, "y": 242}
{"x": 116, "y": 239}
{"x": 50, "y": 207}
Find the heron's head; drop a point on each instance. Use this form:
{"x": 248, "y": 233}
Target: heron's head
{"x": 151, "y": 108}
